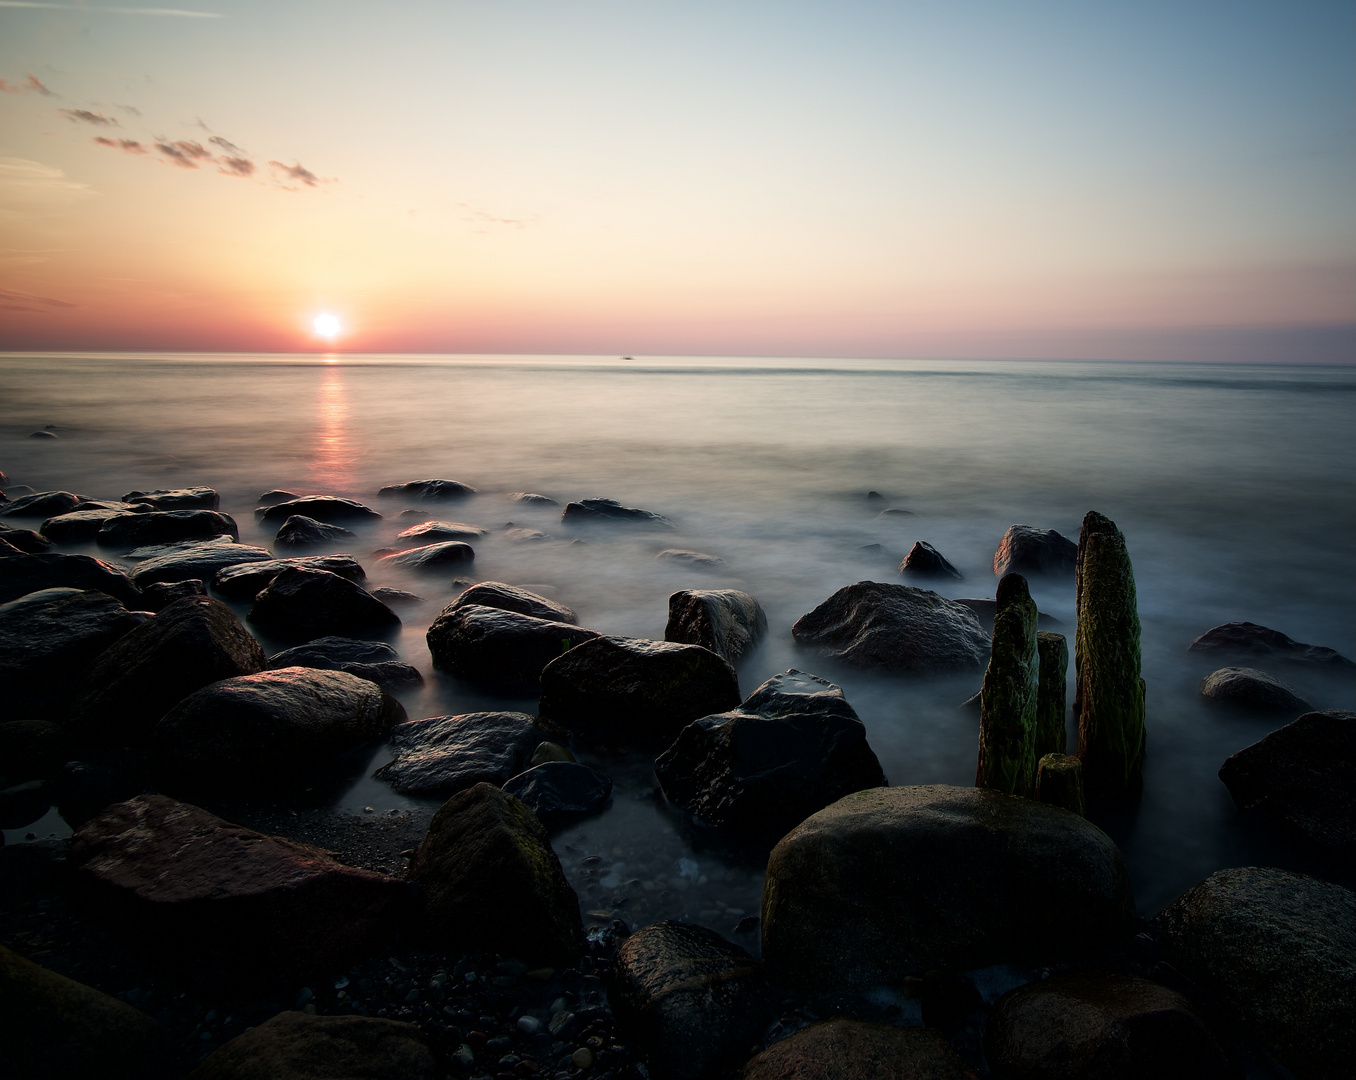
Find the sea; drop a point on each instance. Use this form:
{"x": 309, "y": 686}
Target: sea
{"x": 1235, "y": 486}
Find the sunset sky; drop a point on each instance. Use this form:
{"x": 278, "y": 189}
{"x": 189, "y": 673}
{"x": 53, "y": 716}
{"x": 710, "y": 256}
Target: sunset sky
{"x": 1171, "y": 180}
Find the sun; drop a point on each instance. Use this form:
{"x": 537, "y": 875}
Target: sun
{"x": 326, "y": 325}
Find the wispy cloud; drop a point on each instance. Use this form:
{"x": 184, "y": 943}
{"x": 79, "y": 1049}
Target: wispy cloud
{"x": 183, "y": 152}
{"x": 31, "y": 85}
{"x": 227, "y": 145}
{"x": 235, "y": 166}
{"x": 130, "y": 110}
{"x": 130, "y": 145}
{"x": 85, "y": 8}
{"x": 296, "y": 173}
{"x": 44, "y": 305}
{"x": 87, "y": 117}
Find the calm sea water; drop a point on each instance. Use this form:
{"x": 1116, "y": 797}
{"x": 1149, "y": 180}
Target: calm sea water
{"x": 1234, "y": 486}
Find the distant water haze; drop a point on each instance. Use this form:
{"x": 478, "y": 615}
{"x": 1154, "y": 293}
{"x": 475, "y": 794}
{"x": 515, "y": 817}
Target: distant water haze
{"x": 1233, "y": 485}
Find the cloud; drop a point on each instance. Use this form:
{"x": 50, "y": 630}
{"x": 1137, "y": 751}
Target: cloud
{"x": 235, "y": 166}
{"x": 85, "y": 116}
{"x": 130, "y": 110}
{"x": 183, "y": 152}
{"x": 227, "y": 145}
{"x": 84, "y": 9}
{"x": 31, "y": 85}
{"x": 130, "y": 145}
{"x": 44, "y": 305}
{"x": 297, "y": 173}
{"x": 25, "y": 183}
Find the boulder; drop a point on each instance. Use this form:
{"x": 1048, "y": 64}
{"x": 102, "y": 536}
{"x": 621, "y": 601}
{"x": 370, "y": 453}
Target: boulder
{"x": 895, "y": 882}
{"x": 429, "y": 490}
{"x": 1059, "y": 782}
{"x": 728, "y": 622}
{"x": 530, "y": 499}
{"x": 225, "y": 902}
{"x": 24, "y": 574}
{"x": 634, "y": 689}
{"x": 131, "y": 529}
{"x": 434, "y": 532}
{"x": 155, "y": 551}
{"x": 189, "y": 498}
{"x": 1278, "y": 949}
{"x": 41, "y": 504}
{"x": 432, "y": 557}
{"x": 523, "y": 536}
{"x": 924, "y": 560}
{"x": 32, "y": 749}
{"x": 560, "y": 792}
{"x": 691, "y": 560}
{"x": 80, "y": 525}
{"x": 162, "y": 594}
{"x": 840, "y": 1048}
{"x": 391, "y": 675}
{"x": 141, "y": 676}
{"x": 245, "y": 581}
{"x": 302, "y": 531}
{"x": 277, "y": 495}
{"x": 1101, "y": 1025}
{"x": 756, "y": 772}
{"x": 894, "y": 628}
{"x": 496, "y": 594}
{"x": 1305, "y": 775}
{"x": 688, "y": 1000}
{"x": 1245, "y": 639}
{"x": 497, "y": 648}
{"x": 1029, "y": 551}
{"x": 24, "y": 540}
{"x": 1007, "y": 700}
{"x": 48, "y": 640}
{"x": 269, "y": 728}
{"x": 325, "y": 508}
{"x": 442, "y": 755}
{"x": 611, "y": 512}
{"x": 298, "y": 1046}
{"x": 1109, "y": 692}
{"x": 489, "y": 881}
{"x": 549, "y": 751}
{"x": 1252, "y": 689}
{"x": 1053, "y": 661}
{"x": 196, "y": 562}
{"x": 302, "y": 604}
{"x": 332, "y": 651}
{"x": 389, "y": 596}
{"x": 55, "y": 1028}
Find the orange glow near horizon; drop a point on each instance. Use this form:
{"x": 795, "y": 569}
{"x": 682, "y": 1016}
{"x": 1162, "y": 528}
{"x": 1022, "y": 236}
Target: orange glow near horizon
{"x": 335, "y": 454}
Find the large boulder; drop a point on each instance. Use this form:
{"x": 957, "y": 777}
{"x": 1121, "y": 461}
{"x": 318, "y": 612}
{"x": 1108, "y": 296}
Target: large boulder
{"x": 141, "y": 676}
{"x": 895, "y": 628}
{"x": 559, "y": 792}
{"x": 432, "y": 557}
{"x": 375, "y": 661}
{"x": 15, "y": 541}
{"x": 298, "y": 1046}
{"x": 1007, "y": 700}
{"x": 1252, "y": 689}
{"x": 24, "y": 574}
{"x": 246, "y": 580}
{"x": 1278, "y": 949}
{"x": 41, "y": 504}
{"x": 189, "y": 498}
{"x": 429, "y": 490}
{"x": 895, "y": 882}
{"x": 924, "y": 560}
{"x": 326, "y": 508}
{"x": 256, "y": 730}
{"x": 1246, "y": 639}
{"x": 756, "y": 772}
{"x": 497, "y": 648}
{"x": 1025, "y": 550}
{"x": 435, "y": 532}
{"x": 195, "y": 562}
{"x": 132, "y": 529}
{"x": 1101, "y": 1025}
{"x": 489, "y": 880}
{"x": 223, "y": 901}
{"x": 496, "y": 594}
{"x": 1305, "y": 775}
{"x": 611, "y": 512}
{"x": 634, "y": 689}
{"x": 48, "y": 640}
{"x": 690, "y": 1001}
{"x": 54, "y": 1028}
{"x": 728, "y": 622}
{"x": 841, "y": 1048}
{"x": 300, "y": 531}
{"x": 82, "y": 524}
{"x": 441, "y": 755}
{"x": 301, "y": 604}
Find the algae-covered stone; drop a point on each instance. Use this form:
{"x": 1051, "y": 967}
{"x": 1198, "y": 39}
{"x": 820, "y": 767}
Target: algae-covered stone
{"x": 1109, "y": 692}
{"x": 1007, "y": 700}
{"x": 1053, "y": 651}
{"x": 1059, "y": 781}
{"x": 842, "y": 1047}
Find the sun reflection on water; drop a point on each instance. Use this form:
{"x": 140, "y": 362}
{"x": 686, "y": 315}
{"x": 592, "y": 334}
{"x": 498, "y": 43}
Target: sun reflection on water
{"x": 335, "y": 454}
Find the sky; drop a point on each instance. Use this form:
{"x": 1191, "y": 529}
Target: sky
{"x": 1137, "y": 180}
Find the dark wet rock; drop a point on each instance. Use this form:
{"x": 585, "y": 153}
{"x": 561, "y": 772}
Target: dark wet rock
{"x": 155, "y": 551}
{"x": 549, "y": 751}
{"x": 489, "y": 880}
{"x": 131, "y": 529}
{"x": 691, "y": 560}
{"x": 1007, "y": 700}
{"x": 1245, "y": 639}
{"x": 496, "y": 594}
{"x": 390, "y": 596}
{"x": 23, "y": 574}
{"x": 433, "y": 557}
{"x": 1059, "y": 781}
{"x": 924, "y": 560}
{"x": 635, "y": 690}
{"x": 1305, "y": 775}
{"x": 611, "y": 512}
{"x": 82, "y": 524}
{"x": 302, "y": 531}
{"x": 327, "y": 508}
{"x": 756, "y": 772}
{"x": 160, "y": 595}
{"x": 298, "y": 1046}
{"x": 246, "y": 580}
{"x": 43, "y": 435}
{"x": 1278, "y": 949}
{"x": 24, "y": 803}
{"x": 189, "y": 498}
{"x": 442, "y": 755}
{"x": 1025, "y": 550}
{"x": 895, "y": 882}
{"x": 56, "y": 1028}
{"x": 198, "y": 562}
{"x": 224, "y": 902}
{"x": 1108, "y": 688}
{"x": 269, "y": 728}
{"x": 531, "y": 499}
{"x": 300, "y": 603}
{"x": 1104, "y": 1025}
{"x": 276, "y": 496}
{"x": 894, "y": 628}
{"x": 523, "y": 536}
{"x": 433, "y": 532}
{"x": 1253, "y": 689}
{"x": 690, "y": 1001}
{"x": 894, "y": 512}
{"x": 41, "y": 504}
{"x": 391, "y": 675}
{"x": 559, "y": 792}
{"x": 1053, "y": 652}
{"x": 429, "y": 490}
{"x": 497, "y": 648}
{"x": 141, "y": 676}
{"x": 874, "y": 496}
{"x": 32, "y": 749}
{"x": 842, "y": 1047}
{"x": 331, "y": 651}
{"x": 728, "y": 622}
{"x": 48, "y": 641}
{"x": 25, "y": 541}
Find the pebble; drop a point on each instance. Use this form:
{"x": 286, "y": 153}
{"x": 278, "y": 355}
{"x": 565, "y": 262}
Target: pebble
{"x": 582, "y": 1058}
{"x": 529, "y": 1025}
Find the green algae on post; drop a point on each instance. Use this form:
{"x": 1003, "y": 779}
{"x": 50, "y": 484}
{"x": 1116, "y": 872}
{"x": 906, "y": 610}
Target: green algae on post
{"x": 1007, "y": 717}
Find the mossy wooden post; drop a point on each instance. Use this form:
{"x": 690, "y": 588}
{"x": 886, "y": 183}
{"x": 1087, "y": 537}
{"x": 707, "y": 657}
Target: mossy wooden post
{"x": 1007, "y": 701}
{"x": 1059, "y": 781}
{"x": 1108, "y": 689}
{"x": 1051, "y": 737}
